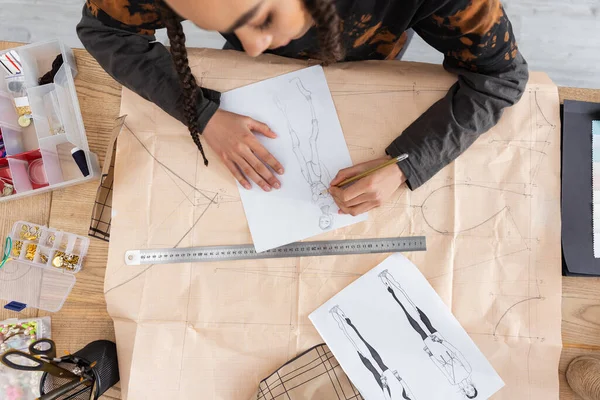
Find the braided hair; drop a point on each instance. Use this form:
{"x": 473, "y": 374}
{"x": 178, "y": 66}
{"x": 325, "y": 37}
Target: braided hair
{"x": 329, "y": 35}
{"x": 329, "y": 29}
{"x": 188, "y": 83}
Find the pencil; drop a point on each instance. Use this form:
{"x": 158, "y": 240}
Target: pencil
{"x": 370, "y": 171}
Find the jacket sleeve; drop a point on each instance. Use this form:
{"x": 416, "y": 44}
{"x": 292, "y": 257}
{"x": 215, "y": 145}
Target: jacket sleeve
{"x": 478, "y": 44}
{"x": 143, "y": 65}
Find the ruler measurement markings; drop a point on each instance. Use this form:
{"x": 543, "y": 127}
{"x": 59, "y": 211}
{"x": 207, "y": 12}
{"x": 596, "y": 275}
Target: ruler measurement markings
{"x": 305, "y": 249}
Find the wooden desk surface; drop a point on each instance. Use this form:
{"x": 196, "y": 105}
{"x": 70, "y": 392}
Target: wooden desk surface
{"x": 84, "y": 318}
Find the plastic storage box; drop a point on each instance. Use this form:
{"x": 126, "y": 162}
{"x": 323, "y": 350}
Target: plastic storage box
{"x": 39, "y": 156}
{"x": 42, "y": 267}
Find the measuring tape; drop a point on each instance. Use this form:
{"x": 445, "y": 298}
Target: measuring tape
{"x": 299, "y": 249}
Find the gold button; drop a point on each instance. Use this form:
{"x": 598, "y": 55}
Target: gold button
{"x": 58, "y": 261}
{"x": 24, "y": 121}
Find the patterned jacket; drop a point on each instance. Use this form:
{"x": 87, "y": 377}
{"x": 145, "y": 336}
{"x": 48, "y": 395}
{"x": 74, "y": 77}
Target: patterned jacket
{"x": 475, "y": 37}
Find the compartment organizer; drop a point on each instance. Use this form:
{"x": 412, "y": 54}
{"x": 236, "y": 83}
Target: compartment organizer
{"x": 39, "y": 156}
{"x": 48, "y": 248}
{"x": 42, "y": 266}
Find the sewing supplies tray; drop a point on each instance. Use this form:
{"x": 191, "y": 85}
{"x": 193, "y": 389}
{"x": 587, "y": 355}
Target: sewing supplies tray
{"x": 37, "y": 144}
{"x": 42, "y": 264}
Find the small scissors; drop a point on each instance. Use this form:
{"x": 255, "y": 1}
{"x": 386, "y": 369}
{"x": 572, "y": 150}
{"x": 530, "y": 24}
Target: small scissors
{"x": 41, "y": 357}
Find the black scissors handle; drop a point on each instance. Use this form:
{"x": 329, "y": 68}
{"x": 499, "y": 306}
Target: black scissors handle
{"x": 28, "y": 362}
{"x": 36, "y": 363}
{"x": 47, "y": 350}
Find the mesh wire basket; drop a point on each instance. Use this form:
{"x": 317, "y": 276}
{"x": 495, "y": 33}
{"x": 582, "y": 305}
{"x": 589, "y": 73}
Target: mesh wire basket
{"x": 99, "y": 358}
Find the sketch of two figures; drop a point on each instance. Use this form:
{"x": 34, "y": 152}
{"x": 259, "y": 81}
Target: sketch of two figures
{"x": 447, "y": 358}
{"x": 396, "y": 339}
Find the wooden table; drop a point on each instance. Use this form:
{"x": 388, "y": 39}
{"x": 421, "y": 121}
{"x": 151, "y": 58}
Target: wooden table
{"x": 83, "y": 318}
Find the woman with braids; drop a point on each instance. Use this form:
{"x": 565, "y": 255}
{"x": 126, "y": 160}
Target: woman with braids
{"x": 475, "y": 37}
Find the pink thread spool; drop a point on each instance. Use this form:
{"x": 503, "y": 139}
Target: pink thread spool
{"x": 37, "y": 173}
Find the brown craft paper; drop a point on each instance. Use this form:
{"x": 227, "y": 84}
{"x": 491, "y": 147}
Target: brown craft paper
{"x": 213, "y": 331}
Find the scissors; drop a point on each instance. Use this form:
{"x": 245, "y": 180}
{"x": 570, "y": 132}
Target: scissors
{"x": 41, "y": 357}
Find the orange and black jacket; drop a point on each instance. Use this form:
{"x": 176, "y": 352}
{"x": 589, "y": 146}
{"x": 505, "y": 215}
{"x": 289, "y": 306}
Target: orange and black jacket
{"x": 475, "y": 37}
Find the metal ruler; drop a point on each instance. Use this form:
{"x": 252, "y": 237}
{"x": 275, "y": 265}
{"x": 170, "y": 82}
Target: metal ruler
{"x": 299, "y": 249}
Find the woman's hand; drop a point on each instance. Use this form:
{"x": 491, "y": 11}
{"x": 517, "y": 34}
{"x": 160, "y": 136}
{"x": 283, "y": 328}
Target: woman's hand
{"x": 368, "y": 192}
{"x": 231, "y": 137}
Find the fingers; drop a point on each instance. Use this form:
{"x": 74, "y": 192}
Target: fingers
{"x": 358, "y": 198}
{"x": 359, "y": 209}
{"x": 351, "y": 192}
{"x": 261, "y": 128}
{"x": 235, "y": 171}
{"x": 361, "y": 198}
{"x": 250, "y": 171}
{"x": 346, "y": 173}
{"x": 254, "y": 170}
{"x": 259, "y": 166}
{"x": 267, "y": 157}
{"x": 356, "y": 205}
{"x": 263, "y": 153}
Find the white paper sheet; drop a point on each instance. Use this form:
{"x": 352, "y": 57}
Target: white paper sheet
{"x": 310, "y": 146}
{"x": 396, "y": 339}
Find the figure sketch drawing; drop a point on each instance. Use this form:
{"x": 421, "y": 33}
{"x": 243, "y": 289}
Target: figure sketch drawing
{"x": 313, "y": 170}
{"x": 449, "y": 360}
{"x": 390, "y": 382}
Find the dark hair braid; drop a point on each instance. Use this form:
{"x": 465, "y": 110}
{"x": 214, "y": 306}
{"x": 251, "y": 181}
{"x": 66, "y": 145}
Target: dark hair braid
{"x": 188, "y": 82}
{"x": 329, "y": 35}
{"x": 329, "y": 29}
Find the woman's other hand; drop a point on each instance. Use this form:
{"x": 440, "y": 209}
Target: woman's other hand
{"x": 232, "y": 137}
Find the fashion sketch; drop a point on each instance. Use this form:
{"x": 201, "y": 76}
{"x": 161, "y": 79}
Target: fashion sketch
{"x": 390, "y": 382}
{"x": 442, "y": 353}
{"x": 313, "y": 170}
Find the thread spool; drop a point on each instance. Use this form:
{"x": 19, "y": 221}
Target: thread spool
{"x": 80, "y": 160}
{"x": 37, "y": 173}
